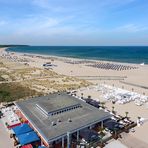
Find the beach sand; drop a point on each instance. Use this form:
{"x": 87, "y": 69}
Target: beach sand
{"x": 135, "y": 79}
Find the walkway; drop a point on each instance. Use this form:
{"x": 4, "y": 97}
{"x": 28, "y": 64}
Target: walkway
{"x": 5, "y": 140}
{"x": 145, "y": 87}
{"x": 132, "y": 142}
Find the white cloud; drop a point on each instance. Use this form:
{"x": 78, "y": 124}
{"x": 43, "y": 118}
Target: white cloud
{"x": 115, "y": 3}
{"x": 41, "y": 3}
{"x": 35, "y": 24}
{"x": 45, "y": 4}
{"x": 41, "y": 21}
{"x": 131, "y": 28}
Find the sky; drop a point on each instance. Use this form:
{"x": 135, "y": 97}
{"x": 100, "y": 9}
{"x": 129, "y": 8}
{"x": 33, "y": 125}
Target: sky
{"x": 74, "y": 22}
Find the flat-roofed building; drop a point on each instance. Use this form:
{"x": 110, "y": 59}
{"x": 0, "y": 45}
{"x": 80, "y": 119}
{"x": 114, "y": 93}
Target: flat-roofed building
{"x": 56, "y": 116}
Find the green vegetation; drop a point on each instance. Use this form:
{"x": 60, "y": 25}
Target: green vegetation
{"x": 14, "y": 91}
{"x": 1, "y": 64}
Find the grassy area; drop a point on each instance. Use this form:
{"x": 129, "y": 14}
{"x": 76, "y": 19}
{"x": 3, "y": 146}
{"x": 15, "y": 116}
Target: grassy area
{"x": 14, "y": 91}
{"x": 24, "y": 82}
{"x": 1, "y": 64}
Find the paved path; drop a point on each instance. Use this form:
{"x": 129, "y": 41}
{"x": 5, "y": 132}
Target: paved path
{"x": 137, "y": 85}
{"x": 5, "y": 140}
{"x": 132, "y": 142}
{"x": 115, "y": 144}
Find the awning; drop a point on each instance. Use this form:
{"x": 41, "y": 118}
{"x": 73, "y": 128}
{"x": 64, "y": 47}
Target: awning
{"x": 41, "y": 147}
{"x": 22, "y": 129}
{"x": 27, "y": 146}
{"x": 89, "y": 135}
{"x": 113, "y": 125}
{"x": 28, "y": 138}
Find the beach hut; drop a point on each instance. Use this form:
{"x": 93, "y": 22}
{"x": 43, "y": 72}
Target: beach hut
{"x": 28, "y": 138}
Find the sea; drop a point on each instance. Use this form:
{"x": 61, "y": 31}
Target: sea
{"x": 124, "y": 54}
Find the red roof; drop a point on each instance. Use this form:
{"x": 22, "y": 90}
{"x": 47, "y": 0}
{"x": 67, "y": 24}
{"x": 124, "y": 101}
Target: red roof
{"x": 27, "y": 146}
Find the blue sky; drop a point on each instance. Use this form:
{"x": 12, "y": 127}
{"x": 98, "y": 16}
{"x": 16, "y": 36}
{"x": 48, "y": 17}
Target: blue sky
{"x": 74, "y": 22}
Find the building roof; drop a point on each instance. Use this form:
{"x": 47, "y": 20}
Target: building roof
{"x": 53, "y": 103}
{"x": 56, "y": 126}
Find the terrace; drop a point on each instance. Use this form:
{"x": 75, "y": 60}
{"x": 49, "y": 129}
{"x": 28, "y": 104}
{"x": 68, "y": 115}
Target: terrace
{"x": 77, "y": 116}
{"x": 87, "y": 125}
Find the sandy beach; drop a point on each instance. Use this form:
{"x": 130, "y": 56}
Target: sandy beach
{"x": 135, "y": 80}
{"x": 78, "y": 68}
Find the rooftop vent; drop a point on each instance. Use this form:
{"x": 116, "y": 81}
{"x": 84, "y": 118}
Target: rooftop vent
{"x": 53, "y": 123}
{"x": 69, "y": 120}
{"x": 59, "y": 120}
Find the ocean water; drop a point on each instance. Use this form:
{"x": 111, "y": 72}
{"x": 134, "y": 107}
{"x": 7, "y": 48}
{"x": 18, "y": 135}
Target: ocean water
{"x": 126, "y": 54}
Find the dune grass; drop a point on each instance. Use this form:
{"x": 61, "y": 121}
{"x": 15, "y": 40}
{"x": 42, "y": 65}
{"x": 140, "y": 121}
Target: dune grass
{"x": 14, "y": 91}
